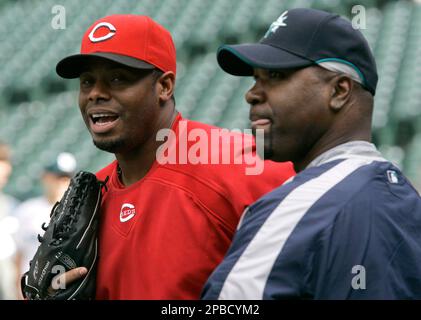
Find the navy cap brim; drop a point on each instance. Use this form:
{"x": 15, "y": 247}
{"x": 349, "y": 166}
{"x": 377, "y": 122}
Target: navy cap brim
{"x": 241, "y": 59}
{"x": 54, "y": 169}
{"x": 72, "y": 66}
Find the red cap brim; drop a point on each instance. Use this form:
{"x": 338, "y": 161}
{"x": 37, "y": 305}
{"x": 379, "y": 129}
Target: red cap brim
{"x": 72, "y": 66}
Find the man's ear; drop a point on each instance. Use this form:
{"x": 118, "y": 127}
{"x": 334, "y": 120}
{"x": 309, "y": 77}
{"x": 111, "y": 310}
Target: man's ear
{"x": 165, "y": 86}
{"x": 342, "y": 87}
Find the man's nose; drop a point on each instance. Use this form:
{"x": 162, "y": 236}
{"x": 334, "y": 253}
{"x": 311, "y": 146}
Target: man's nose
{"x": 254, "y": 95}
{"x": 99, "y": 92}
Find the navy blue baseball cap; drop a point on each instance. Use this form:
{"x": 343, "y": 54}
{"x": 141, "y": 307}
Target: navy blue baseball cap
{"x": 303, "y": 37}
{"x": 64, "y": 165}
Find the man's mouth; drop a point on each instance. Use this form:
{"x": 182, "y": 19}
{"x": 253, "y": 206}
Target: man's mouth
{"x": 103, "y": 122}
{"x": 103, "y": 118}
{"x": 261, "y": 124}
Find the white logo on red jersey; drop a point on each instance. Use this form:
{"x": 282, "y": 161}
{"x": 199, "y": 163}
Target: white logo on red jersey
{"x": 110, "y": 34}
{"x": 127, "y": 212}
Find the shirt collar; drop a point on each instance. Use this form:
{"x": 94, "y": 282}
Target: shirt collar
{"x": 349, "y": 150}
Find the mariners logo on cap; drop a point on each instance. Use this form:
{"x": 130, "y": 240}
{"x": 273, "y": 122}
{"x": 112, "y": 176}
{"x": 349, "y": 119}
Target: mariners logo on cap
{"x": 111, "y": 33}
{"x": 280, "y": 22}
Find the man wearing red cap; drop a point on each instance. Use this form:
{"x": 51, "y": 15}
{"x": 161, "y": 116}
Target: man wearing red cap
{"x": 165, "y": 226}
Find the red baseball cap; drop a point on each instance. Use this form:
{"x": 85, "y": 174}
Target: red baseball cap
{"x": 133, "y": 40}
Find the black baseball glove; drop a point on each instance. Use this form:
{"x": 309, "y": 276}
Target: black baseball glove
{"x": 69, "y": 241}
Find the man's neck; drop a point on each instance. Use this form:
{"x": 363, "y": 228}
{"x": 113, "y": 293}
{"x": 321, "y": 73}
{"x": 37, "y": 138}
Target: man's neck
{"x": 134, "y": 165}
{"x": 324, "y": 145}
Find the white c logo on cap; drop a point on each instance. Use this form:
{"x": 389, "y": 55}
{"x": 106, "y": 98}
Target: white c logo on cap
{"x": 107, "y": 36}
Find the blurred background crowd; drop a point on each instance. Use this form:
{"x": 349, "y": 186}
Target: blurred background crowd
{"x": 44, "y": 140}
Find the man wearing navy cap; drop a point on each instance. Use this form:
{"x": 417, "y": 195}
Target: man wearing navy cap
{"x": 348, "y": 226}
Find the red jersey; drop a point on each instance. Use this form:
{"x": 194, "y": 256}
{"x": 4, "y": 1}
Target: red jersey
{"x": 161, "y": 237}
